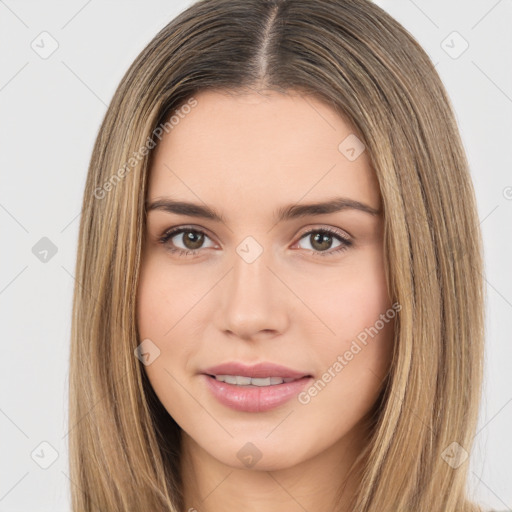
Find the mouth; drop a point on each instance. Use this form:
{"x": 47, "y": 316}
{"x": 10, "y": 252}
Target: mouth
{"x": 229, "y": 371}
{"x": 256, "y": 388}
{"x": 241, "y": 380}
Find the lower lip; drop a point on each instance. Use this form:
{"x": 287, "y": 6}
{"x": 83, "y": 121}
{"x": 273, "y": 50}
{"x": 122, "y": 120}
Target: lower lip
{"x": 255, "y": 399}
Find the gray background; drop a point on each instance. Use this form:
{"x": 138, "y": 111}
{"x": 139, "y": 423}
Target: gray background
{"x": 51, "y": 109}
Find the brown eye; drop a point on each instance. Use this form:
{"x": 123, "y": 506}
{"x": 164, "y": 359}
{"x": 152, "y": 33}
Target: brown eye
{"x": 321, "y": 240}
{"x": 192, "y": 239}
{"x": 184, "y": 240}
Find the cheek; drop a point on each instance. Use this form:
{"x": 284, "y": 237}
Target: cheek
{"x": 167, "y": 300}
{"x": 165, "y": 296}
{"x": 161, "y": 302}
{"x": 347, "y": 300}
{"x": 354, "y": 357}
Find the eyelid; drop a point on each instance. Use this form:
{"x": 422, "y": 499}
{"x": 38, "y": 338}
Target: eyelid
{"x": 322, "y": 227}
{"x": 176, "y": 230}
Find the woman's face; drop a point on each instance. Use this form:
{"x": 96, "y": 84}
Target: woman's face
{"x": 257, "y": 275}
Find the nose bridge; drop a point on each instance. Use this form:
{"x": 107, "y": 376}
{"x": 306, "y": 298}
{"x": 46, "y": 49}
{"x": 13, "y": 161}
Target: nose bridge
{"x": 250, "y": 276}
{"x": 251, "y": 299}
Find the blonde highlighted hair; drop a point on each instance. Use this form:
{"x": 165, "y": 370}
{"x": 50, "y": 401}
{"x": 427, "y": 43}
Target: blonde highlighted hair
{"x": 124, "y": 447}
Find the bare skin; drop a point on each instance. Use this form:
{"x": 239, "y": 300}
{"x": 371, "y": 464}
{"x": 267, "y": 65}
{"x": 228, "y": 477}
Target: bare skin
{"x": 301, "y": 303}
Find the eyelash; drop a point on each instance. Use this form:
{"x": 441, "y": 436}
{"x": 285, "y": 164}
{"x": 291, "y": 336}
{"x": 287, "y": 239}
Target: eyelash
{"x": 345, "y": 242}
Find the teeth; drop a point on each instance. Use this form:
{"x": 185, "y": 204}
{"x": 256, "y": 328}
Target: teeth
{"x": 229, "y": 379}
{"x": 246, "y": 381}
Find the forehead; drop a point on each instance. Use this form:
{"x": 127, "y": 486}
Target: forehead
{"x": 269, "y": 147}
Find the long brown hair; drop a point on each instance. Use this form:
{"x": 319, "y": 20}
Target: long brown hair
{"x": 124, "y": 447}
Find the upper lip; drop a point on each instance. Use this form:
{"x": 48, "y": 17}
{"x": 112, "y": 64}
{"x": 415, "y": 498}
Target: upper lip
{"x": 261, "y": 370}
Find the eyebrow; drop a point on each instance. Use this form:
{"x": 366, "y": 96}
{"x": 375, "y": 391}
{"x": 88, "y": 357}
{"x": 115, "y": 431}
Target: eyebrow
{"x": 282, "y": 214}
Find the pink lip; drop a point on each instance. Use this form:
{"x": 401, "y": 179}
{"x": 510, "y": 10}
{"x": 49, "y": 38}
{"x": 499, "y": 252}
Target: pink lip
{"x": 254, "y": 398}
{"x": 258, "y": 370}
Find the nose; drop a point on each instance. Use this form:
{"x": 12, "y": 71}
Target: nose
{"x": 253, "y": 302}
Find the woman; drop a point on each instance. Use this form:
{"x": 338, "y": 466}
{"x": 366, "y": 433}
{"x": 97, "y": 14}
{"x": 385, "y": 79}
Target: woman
{"x": 273, "y": 309}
